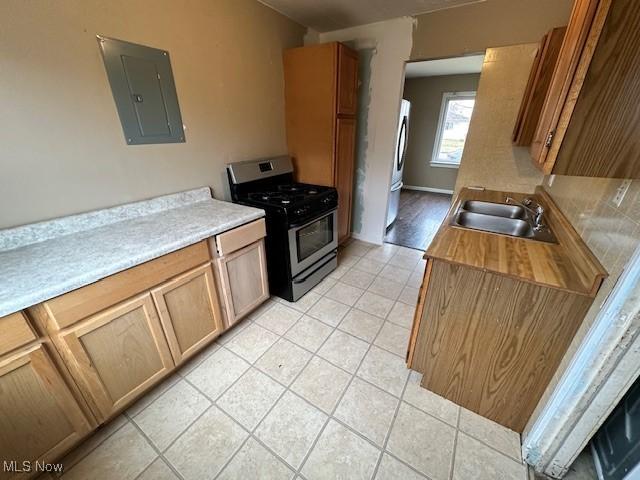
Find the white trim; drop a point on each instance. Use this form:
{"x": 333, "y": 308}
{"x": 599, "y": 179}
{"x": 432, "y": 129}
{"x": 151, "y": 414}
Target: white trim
{"x": 446, "y": 96}
{"x": 427, "y": 189}
{"x": 605, "y": 365}
{"x": 444, "y": 165}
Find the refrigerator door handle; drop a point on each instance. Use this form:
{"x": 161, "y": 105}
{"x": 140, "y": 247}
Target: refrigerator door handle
{"x": 397, "y": 187}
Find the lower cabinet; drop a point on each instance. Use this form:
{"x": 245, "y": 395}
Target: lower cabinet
{"x": 39, "y": 417}
{"x": 117, "y": 354}
{"x": 189, "y": 311}
{"x": 243, "y": 279}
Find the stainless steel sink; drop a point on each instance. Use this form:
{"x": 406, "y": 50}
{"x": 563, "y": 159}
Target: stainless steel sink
{"x": 495, "y": 209}
{"x": 501, "y": 218}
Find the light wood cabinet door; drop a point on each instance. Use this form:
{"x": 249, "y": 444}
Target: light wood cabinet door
{"x": 347, "y": 80}
{"x": 189, "y": 311}
{"x": 39, "y": 418}
{"x": 243, "y": 278}
{"x": 345, "y": 149}
{"x": 117, "y": 354}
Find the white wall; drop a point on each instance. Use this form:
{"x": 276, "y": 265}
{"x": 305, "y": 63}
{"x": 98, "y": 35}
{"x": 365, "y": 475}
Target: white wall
{"x": 392, "y": 41}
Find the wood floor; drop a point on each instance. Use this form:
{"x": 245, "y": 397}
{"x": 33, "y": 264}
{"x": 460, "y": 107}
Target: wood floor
{"x": 419, "y": 217}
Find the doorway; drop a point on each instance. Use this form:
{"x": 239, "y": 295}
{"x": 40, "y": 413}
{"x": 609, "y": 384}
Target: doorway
{"x": 438, "y": 100}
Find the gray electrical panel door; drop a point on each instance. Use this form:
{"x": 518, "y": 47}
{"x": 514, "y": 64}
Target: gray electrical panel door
{"x": 142, "y": 85}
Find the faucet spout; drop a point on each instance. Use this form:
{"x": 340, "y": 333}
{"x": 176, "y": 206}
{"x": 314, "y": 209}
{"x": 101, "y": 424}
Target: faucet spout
{"x": 535, "y": 211}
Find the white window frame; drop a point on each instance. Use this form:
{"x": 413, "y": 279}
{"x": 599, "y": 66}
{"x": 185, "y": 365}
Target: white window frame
{"x": 446, "y": 96}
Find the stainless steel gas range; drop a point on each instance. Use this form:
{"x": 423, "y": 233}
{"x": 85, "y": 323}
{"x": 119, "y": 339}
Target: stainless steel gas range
{"x": 302, "y": 237}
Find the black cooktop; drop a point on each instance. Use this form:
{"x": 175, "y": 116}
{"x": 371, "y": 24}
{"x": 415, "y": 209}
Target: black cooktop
{"x": 288, "y": 195}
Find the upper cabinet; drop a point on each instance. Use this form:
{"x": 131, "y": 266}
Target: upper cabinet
{"x": 321, "y": 90}
{"x": 589, "y": 122}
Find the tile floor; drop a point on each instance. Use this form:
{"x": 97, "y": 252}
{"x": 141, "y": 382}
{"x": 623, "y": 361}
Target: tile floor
{"x": 313, "y": 390}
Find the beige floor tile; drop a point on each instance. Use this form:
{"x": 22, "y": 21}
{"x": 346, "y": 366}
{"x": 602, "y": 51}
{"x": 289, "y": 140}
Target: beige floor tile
{"x": 283, "y": 361}
{"x": 476, "y": 461}
{"x": 253, "y": 461}
{"x": 252, "y": 342}
{"x": 357, "y": 248}
{"x": 328, "y": 311}
{"x": 309, "y": 333}
{"x": 291, "y": 428}
{"x": 397, "y": 274}
{"x": 367, "y": 409}
{"x": 401, "y": 314}
{"x": 358, "y": 278}
{"x": 375, "y": 304}
{"x": 206, "y": 446}
{"x": 158, "y": 470}
{"x": 217, "y": 373}
{"x": 197, "y": 359}
{"x": 344, "y": 350}
{"x": 234, "y": 330}
{"x": 409, "y": 296}
{"x": 340, "y": 454}
{"x": 347, "y": 260}
{"x": 324, "y": 285}
{"x": 279, "y": 318}
{"x": 410, "y": 253}
{"x": 422, "y": 441}
{"x": 401, "y": 260}
{"x": 344, "y": 293}
{"x": 339, "y": 272}
{"x": 386, "y": 288}
{"x": 369, "y": 265}
{"x": 382, "y": 253}
{"x": 124, "y": 455}
{"x": 392, "y": 469}
{"x": 263, "y": 308}
{"x": 90, "y": 443}
{"x": 393, "y": 338}
{"x": 429, "y": 402}
{"x": 495, "y": 435}
{"x": 361, "y": 324}
{"x": 169, "y": 415}
{"x": 415, "y": 280}
{"x": 303, "y": 304}
{"x": 250, "y": 398}
{"x": 321, "y": 384}
{"x": 148, "y": 398}
{"x": 384, "y": 369}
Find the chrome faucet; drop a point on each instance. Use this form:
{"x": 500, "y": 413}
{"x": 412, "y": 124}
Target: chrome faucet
{"x": 533, "y": 208}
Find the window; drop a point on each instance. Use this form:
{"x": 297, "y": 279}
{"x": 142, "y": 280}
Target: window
{"x": 455, "y": 115}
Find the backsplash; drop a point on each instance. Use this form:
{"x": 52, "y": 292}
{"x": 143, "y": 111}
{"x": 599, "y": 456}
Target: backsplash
{"x": 612, "y": 233}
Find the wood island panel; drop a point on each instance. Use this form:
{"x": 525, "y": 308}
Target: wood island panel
{"x": 491, "y": 343}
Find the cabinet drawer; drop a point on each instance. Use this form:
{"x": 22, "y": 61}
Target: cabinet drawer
{"x": 16, "y": 332}
{"x": 237, "y": 238}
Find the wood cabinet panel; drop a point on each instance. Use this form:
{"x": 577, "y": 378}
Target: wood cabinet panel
{"x": 16, "y": 332}
{"x": 71, "y": 307}
{"x": 189, "y": 311}
{"x": 347, "y": 80}
{"x": 491, "y": 343}
{"x": 537, "y": 86}
{"x": 603, "y": 134}
{"x": 345, "y": 150}
{"x": 243, "y": 278}
{"x": 39, "y": 418}
{"x": 239, "y": 237}
{"x": 571, "y": 50}
{"x": 117, "y": 354}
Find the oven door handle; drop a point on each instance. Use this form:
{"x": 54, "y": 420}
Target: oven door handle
{"x": 331, "y": 256}
{"x": 307, "y": 222}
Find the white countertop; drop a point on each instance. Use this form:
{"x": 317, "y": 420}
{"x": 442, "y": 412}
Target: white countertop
{"x": 46, "y": 266}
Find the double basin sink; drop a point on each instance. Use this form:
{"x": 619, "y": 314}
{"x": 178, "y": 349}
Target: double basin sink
{"x": 501, "y": 218}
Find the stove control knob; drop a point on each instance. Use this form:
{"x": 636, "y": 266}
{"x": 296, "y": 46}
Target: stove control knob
{"x": 299, "y": 211}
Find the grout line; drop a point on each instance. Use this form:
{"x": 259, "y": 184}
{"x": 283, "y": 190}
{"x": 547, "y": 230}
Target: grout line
{"x": 455, "y": 444}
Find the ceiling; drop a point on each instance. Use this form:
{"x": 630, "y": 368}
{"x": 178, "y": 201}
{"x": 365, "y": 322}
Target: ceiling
{"x": 327, "y": 15}
{"x": 446, "y": 66}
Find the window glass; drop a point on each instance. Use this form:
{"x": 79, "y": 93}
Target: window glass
{"x": 452, "y": 130}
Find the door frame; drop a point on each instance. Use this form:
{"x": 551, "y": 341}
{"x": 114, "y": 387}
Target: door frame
{"x": 604, "y": 367}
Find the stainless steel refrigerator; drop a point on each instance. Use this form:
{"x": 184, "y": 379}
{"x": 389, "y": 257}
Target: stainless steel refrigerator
{"x": 398, "y": 161}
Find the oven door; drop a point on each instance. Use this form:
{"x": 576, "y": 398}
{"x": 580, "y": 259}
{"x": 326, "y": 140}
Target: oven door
{"x": 310, "y": 242}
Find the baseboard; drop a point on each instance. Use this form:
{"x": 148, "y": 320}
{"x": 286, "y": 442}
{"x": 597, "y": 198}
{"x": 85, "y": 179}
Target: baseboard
{"x": 428, "y": 189}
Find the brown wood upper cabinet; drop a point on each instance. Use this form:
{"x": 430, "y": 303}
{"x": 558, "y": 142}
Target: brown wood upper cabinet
{"x": 590, "y": 121}
{"x": 189, "y": 311}
{"x": 537, "y": 86}
{"x": 39, "y": 417}
{"x": 321, "y": 84}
